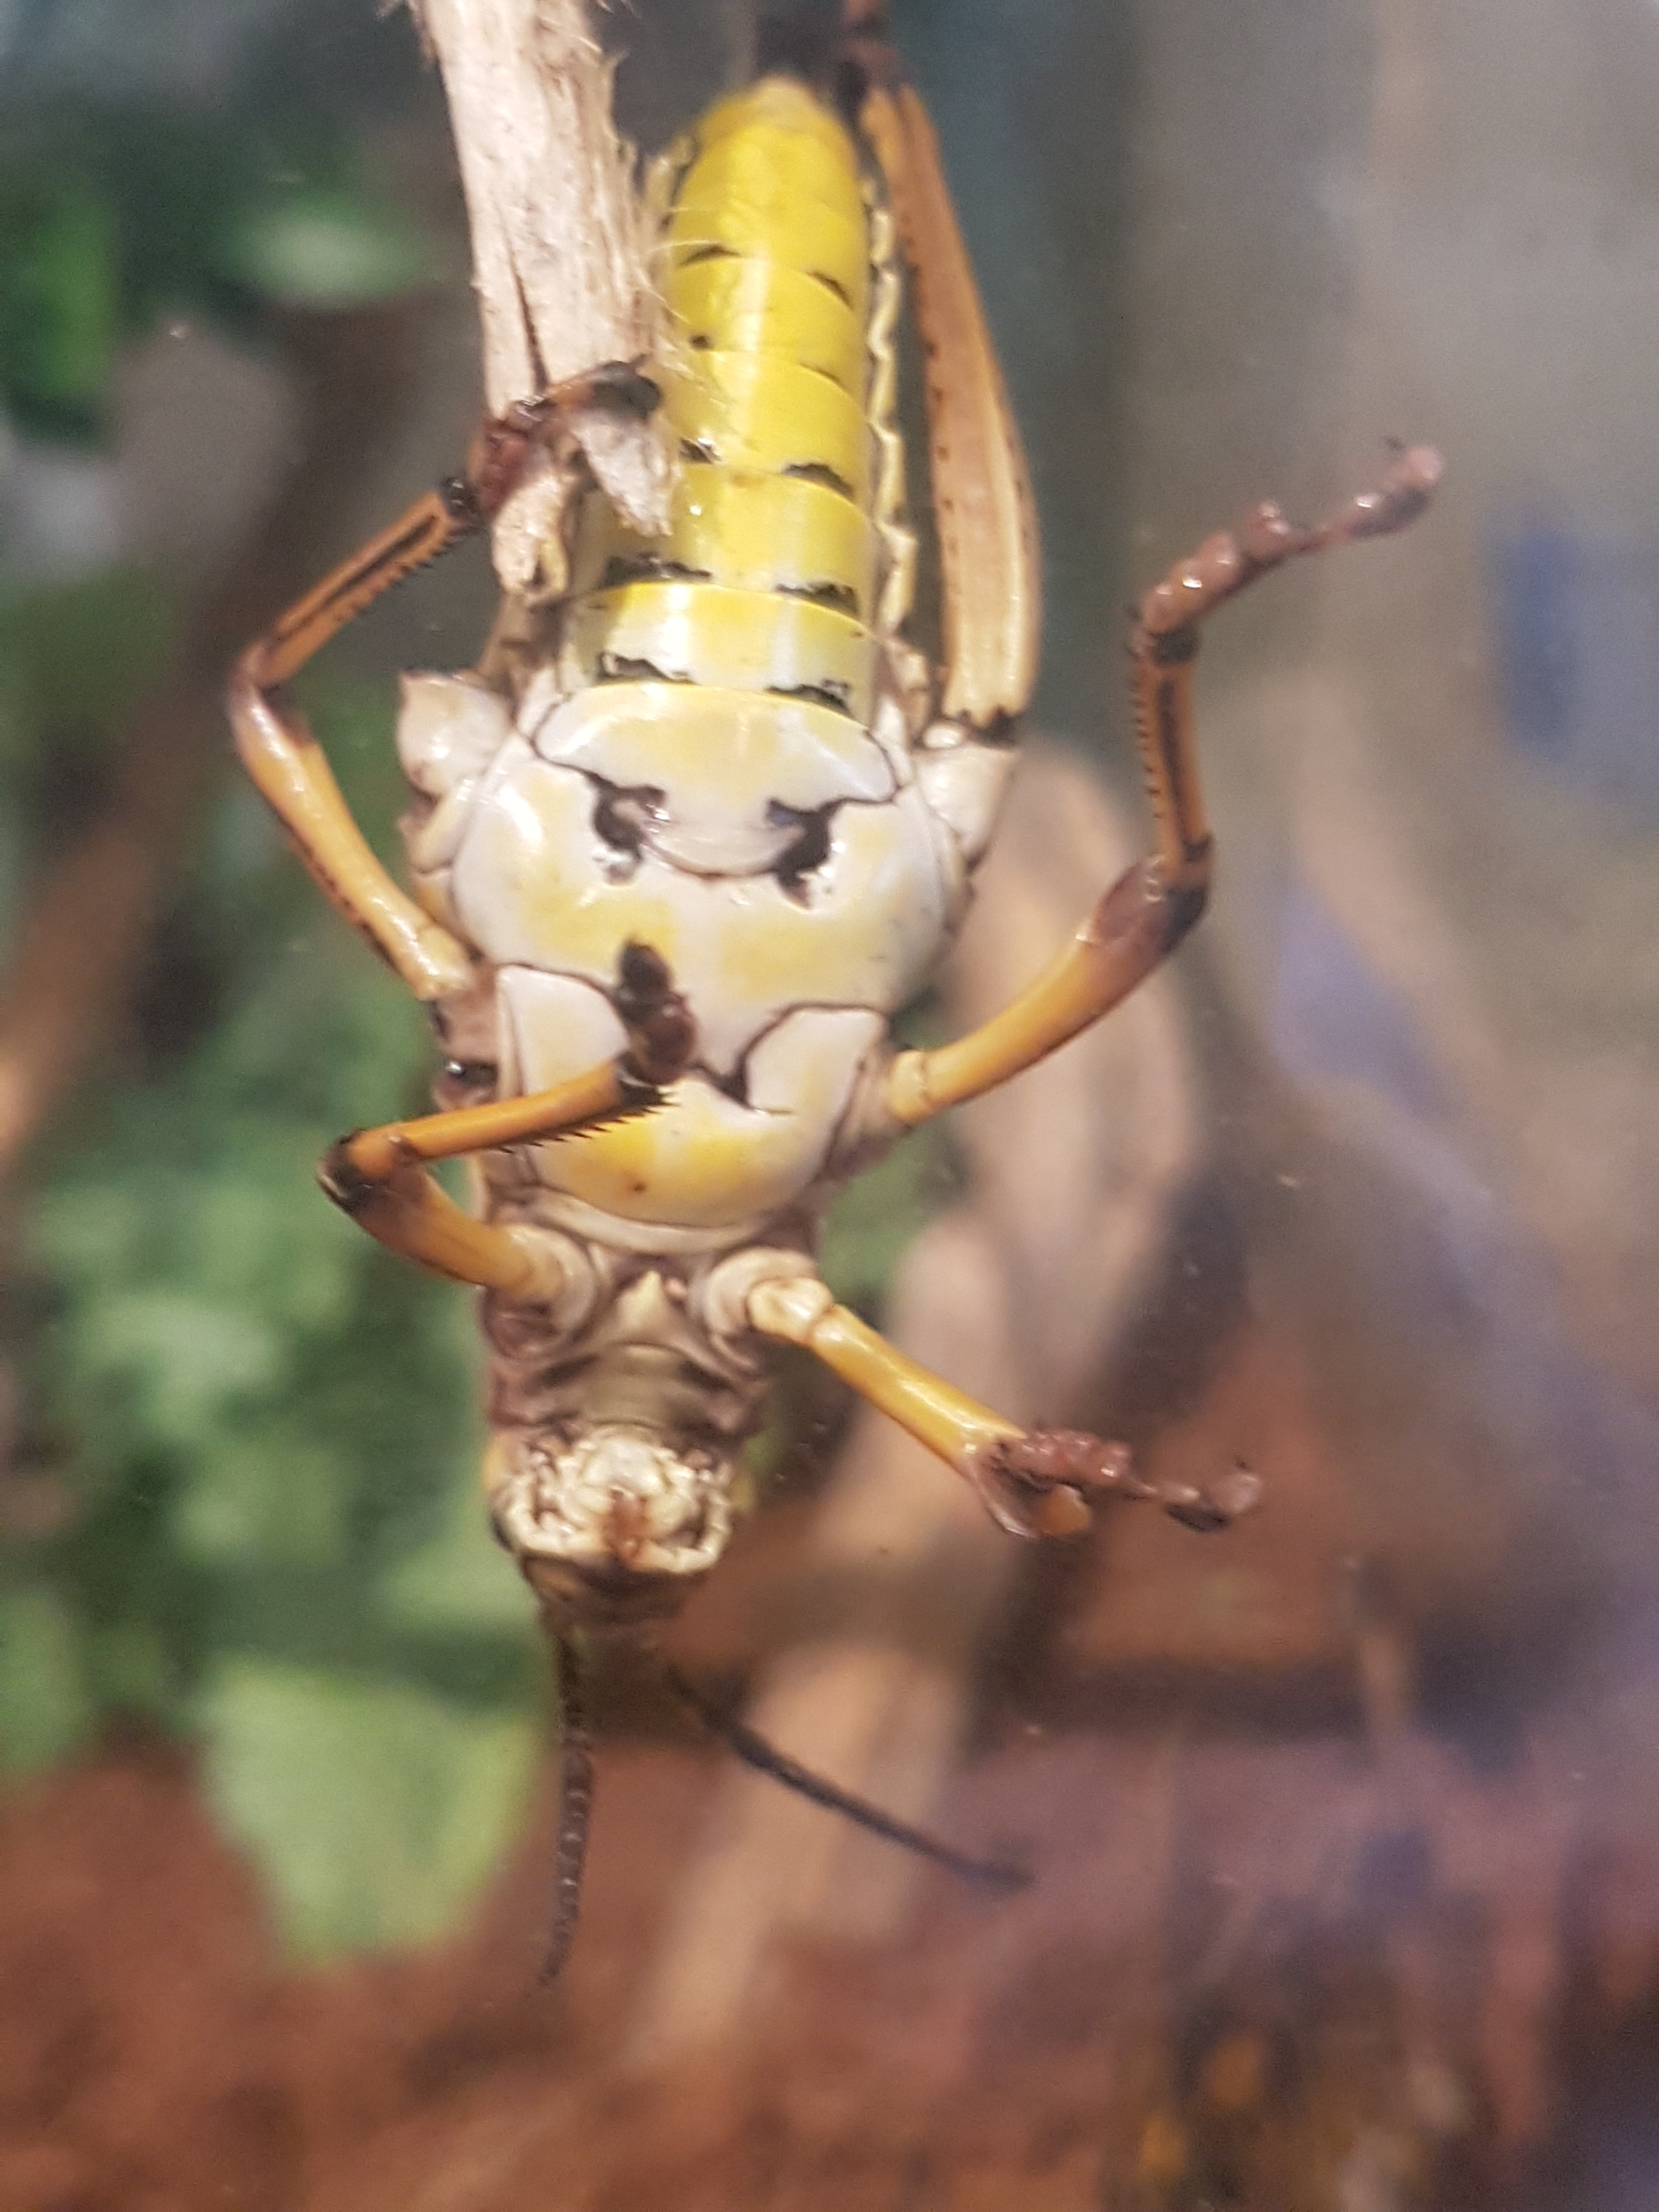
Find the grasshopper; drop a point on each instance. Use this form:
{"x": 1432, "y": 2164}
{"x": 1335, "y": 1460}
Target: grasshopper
{"x": 702, "y": 824}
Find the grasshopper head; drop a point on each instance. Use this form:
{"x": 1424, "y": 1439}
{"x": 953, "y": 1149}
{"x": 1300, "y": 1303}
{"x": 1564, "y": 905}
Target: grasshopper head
{"x": 613, "y": 1523}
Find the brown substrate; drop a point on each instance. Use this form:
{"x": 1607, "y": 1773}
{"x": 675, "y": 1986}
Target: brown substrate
{"x": 1288, "y": 1950}
{"x": 1218, "y": 1992}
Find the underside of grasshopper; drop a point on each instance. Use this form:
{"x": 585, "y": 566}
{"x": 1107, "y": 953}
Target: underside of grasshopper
{"x": 703, "y": 821}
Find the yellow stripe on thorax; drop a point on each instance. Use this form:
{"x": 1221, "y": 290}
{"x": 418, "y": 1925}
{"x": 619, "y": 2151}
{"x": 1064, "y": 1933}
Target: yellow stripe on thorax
{"x": 766, "y": 576}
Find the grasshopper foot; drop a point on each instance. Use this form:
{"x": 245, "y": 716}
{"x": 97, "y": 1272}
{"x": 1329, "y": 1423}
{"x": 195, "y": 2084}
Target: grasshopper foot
{"x": 1044, "y": 1482}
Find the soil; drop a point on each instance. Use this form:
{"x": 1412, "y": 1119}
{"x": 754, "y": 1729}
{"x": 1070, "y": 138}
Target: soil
{"x": 1282, "y": 1954}
{"x": 155, "y": 2057}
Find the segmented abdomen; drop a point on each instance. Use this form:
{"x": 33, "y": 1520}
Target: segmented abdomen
{"x": 766, "y": 577}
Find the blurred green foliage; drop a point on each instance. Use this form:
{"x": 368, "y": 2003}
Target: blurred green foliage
{"x": 59, "y": 315}
{"x": 240, "y": 1495}
{"x": 265, "y": 1425}
{"x": 121, "y": 222}
{"x": 112, "y": 217}
{"x": 245, "y": 1438}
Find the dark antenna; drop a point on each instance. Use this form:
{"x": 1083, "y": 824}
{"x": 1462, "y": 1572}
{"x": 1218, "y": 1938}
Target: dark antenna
{"x": 576, "y": 1798}
{"x": 575, "y": 1803}
{"x": 755, "y": 1751}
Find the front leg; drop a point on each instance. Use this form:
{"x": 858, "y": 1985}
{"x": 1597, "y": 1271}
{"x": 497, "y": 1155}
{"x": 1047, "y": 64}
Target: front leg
{"x": 1150, "y": 908}
{"x": 1034, "y": 1482}
{"x": 277, "y": 748}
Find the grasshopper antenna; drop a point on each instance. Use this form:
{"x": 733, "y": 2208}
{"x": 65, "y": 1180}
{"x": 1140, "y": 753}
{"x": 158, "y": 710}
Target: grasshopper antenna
{"x": 755, "y": 1751}
{"x": 576, "y": 1804}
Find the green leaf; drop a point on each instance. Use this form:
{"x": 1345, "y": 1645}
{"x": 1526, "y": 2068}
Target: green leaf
{"x": 46, "y": 1702}
{"x": 79, "y": 656}
{"x": 875, "y": 1216}
{"x": 182, "y": 1357}
{"x": 263, "y": 1498}
{"x": 459, "y": 1581}
{"x": 59, "y": 314}
{"x": 374, "y": 1809}
{"x": 326, "y": 248}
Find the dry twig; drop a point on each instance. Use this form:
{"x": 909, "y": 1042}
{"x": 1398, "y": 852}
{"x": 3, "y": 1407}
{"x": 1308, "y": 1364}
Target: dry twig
{"x": 557, "y": 255}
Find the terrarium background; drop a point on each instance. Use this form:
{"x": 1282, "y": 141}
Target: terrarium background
{"x": 1345, "y": 1826}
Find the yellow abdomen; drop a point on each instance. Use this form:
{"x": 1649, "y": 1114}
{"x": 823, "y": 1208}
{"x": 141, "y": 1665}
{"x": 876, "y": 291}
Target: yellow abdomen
{"x": 765, "y": 578}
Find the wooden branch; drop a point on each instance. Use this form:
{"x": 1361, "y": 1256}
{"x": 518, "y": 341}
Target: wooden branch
{"x": 557, "y": 249}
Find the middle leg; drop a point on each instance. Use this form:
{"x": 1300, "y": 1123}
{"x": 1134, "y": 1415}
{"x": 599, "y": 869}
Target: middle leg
{"x": 380, "y": 1176}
